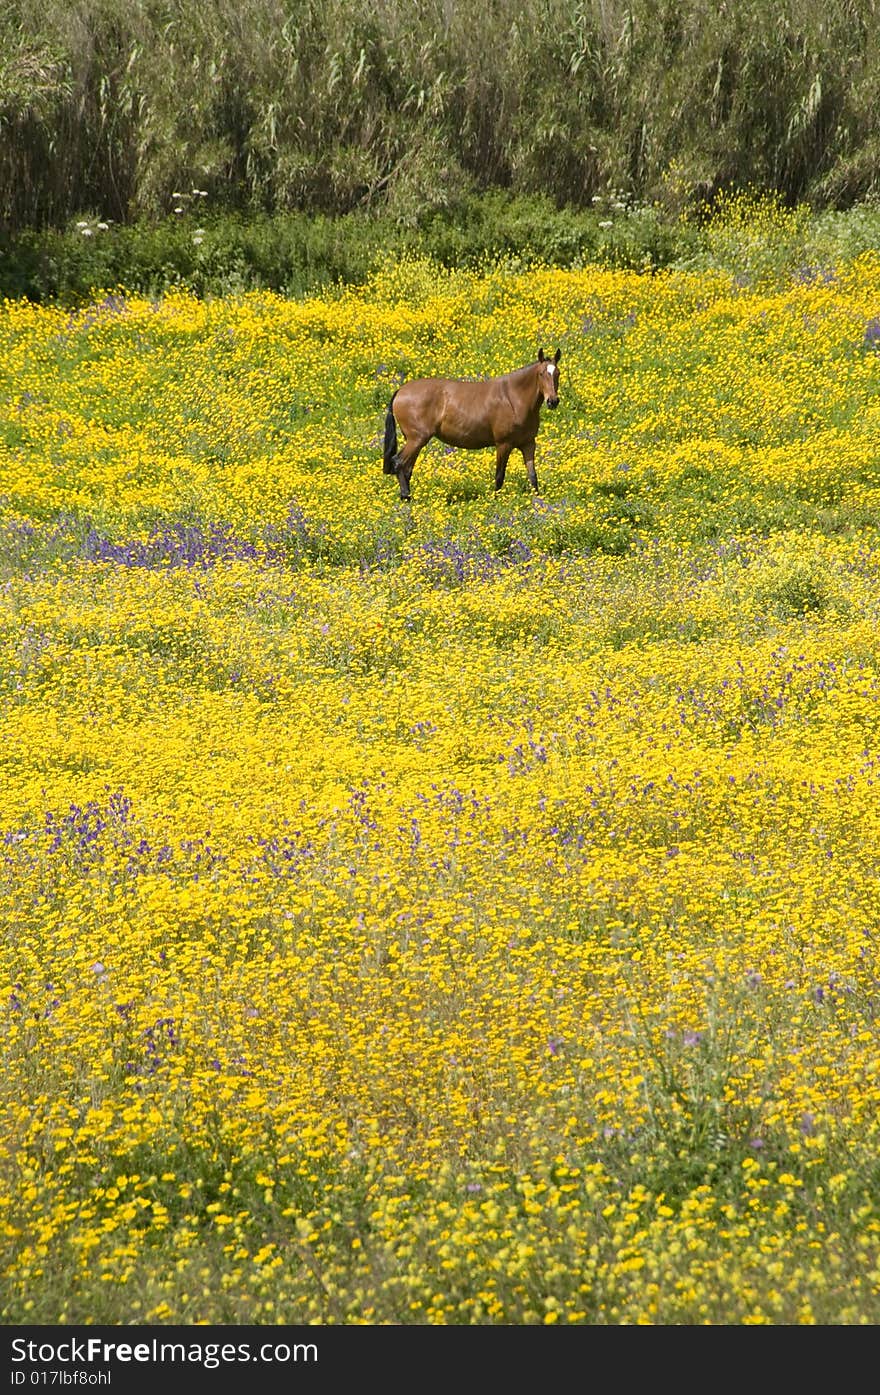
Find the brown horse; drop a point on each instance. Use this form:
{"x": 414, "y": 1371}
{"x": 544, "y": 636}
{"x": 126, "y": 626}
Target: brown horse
{"x": 501, "y": 412}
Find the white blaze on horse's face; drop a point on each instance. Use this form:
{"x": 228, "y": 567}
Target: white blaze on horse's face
{"x": 551, "y": 389}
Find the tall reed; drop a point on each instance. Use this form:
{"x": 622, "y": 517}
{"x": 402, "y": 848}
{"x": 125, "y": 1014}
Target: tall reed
{"x": 113, "y": 108}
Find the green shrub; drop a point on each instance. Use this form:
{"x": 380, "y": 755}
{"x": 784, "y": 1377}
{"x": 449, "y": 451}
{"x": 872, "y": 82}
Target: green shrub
{"x": 294, "y": 253}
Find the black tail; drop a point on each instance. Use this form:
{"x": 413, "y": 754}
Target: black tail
{"x": 390, "y": 451}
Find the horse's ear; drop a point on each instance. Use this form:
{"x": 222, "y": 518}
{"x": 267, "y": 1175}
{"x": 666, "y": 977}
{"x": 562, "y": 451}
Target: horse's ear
{"x": 540, "y": 355}
{"x": 557, "y": 356}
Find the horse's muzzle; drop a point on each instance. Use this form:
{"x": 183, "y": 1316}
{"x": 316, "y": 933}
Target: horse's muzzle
{"x": 552, "y": 402}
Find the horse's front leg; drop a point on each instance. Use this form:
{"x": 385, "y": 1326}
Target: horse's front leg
{"x": 502, "y": 455}
{"x": 528, "y": 455}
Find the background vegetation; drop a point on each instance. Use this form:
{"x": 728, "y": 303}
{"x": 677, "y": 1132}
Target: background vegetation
{"x": 115, "y": 108}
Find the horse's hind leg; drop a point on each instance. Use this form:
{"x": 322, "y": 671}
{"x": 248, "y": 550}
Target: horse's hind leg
{"x": 502, "y": 455}
{"x": 405, "y": 463}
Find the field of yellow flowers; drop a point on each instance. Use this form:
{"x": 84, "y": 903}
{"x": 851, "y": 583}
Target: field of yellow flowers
{"x": 462, "y": 912}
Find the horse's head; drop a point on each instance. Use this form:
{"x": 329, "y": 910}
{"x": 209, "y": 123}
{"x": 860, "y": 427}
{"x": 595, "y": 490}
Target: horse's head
{"x": 548, "y": 377}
